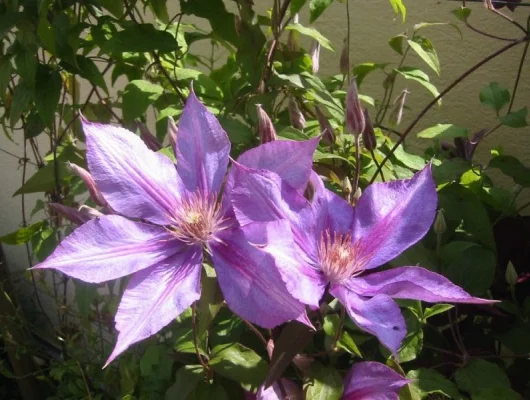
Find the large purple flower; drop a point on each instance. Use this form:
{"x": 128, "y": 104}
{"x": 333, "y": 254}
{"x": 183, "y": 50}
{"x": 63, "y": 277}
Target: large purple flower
{"x": 165, "y": 217}
{"x": 326, "y": 244}
{"x": 372, "y": 380}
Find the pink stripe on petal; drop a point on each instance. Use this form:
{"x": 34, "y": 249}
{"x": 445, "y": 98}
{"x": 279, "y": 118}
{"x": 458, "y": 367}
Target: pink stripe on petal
{"x": 110, "y": 247}
{"x": 155, "y": 296}
{"x": 134, "y": 180}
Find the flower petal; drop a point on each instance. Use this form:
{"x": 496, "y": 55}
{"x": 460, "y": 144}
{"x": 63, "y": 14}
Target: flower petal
{"x": 412, "y": 283}
{"x": 304, "y": 282}
{"x": 379, "y": 316}
{"x": 290, "y": 159}
{"x": 391, "y": 217}
{"x": 288, "y": 390}
{"x": 250, "y": 282}
{"x": 110, "y": 247}
{"x": 134, "y": 180}
{"x": 372, "y": 380}
{"x": 202, "y": 148}
{"x": 156, "y": 296}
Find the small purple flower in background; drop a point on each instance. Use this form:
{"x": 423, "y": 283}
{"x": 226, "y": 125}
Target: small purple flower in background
{"x": 372, "y": 380}
{"x": 165, "y": 218}
{"x": 327, "y": 244}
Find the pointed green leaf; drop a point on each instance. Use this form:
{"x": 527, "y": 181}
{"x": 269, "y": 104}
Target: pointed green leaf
{"x": 479, "y": 374}
{"x": 424, "y": 48}
{"x": 47, "y": 93}
{"x": 323, "y": 383}
{"x": 141, "y": 38}
{"x": 421, "y": 77}
{"x": 495, "y": 96}
{"x": 316, "y": 8}
{"x": 462, "y": 13}
{"x": 397, "y": 43}
{"x": 22, "y": 235}
{"x": 312, "y": 33}
{"x": 399, "y": 8}
{"x": 516, "y": 119}
{"x": 137, "y": 96}
{"x": 443, "y": 131}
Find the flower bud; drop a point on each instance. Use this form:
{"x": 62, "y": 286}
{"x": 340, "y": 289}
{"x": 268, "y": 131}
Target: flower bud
{"x": 356, "y": 196}
{"x": 326, "y": 130}
{"x": 346, "y": 188}
{"x": 150, "y": 141}
{"x": 315, "y": 56}
{"x": 295, "y": 115}
{"x": 439, "y": 223}
{"x": 292, "y": 39}
{"x": 266, "y": 130}
{"x": 70, "y": 213}
{"x": 90, "y": 212}
{"x": 369, "y": 140}
{"x": 172, "y": 131}
{"x": 394, "y": 119}
{"x": 345, "y": 58}
{"x": 94, "y": 192}
{"x": 354, "y": 112}
{"x": 511, "y": 275}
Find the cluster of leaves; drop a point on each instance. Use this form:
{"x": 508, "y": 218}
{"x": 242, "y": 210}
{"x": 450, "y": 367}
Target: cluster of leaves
{"x": 49, "y": 48}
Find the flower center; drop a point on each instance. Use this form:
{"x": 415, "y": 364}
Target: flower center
{"x": 198, "y": 218}
{"x": 337, "y": 256}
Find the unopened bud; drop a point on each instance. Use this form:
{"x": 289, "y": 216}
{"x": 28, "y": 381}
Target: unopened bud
{"x": 346, "y": 187}
{"x": 345, "y": 58}
{"x": 295, "y": 115}
{"x": 172, "y": 131}
{"x": 511, "y": 275}
{"x": 70, "y": 213}
{"x": 356, "y": 196}
{"x": 439, "y": 223}
{"x": 148, "y": 138}
{"x": 315, "y": 56}
{"x": 89, "y": 182}
{"x": 326, "y": 130}
{"x": 354, "y": 112}
{"x": 292, "y": 38}
{"x": 266, "y": 130}
{"x": 394, "y": 119}
{"x": 369, "y": 140}
{"x": 90, "y": 212}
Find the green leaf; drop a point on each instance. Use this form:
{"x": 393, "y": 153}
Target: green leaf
{"x": 22, "y": 235}
{"x": 424, "y": 48}
{"x": 85, "y": 294}
{"x": 44, "y": 179}
{"x": 210, "y": 302}
{"x": 421, "y": 77}
{"x": 512, "y": 167}
{"x": 473, "y": 270}
{"x": 361, "y": 70}
{"x": 479, "y": 374}
{"x": 159, "y": 8}
{"x": 494, "y": 96}
{"x": 516, "y": 119}
{"x": 435, "y": 310}
{"x": 312, "y": 33}
{"x": 237, "y": 132}
{"x": 345, "y": 342}
{"x": 141, "y": 38}
{"x": 316, "y": 8}
{"x": 423, "y": 25}
{"x": 26, "y": 64}
{"x": 429, "y": 381}
{"x": 296, "y": 5}
{"x": 150, "y": 359}
{"x": 443, "y": 131}
{"x": 397, "y": 43}
{"x": 186, "y": 379}
{"x": 47, "y": 93}
{"x": 449, "y": 170}
{"x": 207, "y": 391}
{"x": 496, "y": 394}
{"x": 116, "y": 8}
{"x": 23, "y": 95}
{"x": 413, "y": 342}
{"x": 399, "y": 8}
{"x": 239, "y": 363}
{"x": 462, "y": 13}
{"x": 409, "y": 160}
{"x": 43, "y": 243}
{"x": 8, "y": 20}
{"x": 137, "y": 96}
{"x": 89, "y": 70}
{"x": 323, "y": 383}
{"x": 5, "y": 74}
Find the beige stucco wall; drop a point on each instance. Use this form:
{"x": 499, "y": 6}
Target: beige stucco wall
{"x": 372, "y": 24}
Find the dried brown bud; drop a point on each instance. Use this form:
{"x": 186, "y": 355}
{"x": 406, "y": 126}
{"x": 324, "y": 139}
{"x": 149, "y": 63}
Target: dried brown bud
{"x": 354, "y": 112}
{"x": 326, "y": 130}
{"x": 395, "y": 116}
{"x": 172, "y": 131}
{"x": 94, "y": 192}
{"x": 295, "y": 115}
{"x": 315, "y": 56}
{"x": 266, "y": 130}
{"x": 369, "y": 140}
{"x": 345, "y": 58}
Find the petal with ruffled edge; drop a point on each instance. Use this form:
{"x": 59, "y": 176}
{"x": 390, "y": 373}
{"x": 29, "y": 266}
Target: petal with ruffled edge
{"x": 250, "y": 282}
{"x": 379, "y": 315}
{"x": 412, "y": 283}
{"x": 372, "y": 380}
{"x": 134, "y": 180}
{"x": 110, "y": 247}
{"x": 304, "y": 282}
{"x": 202, "y": 148}
{"x": 156, "y": 296}
{"x": 290, "y": 159}
{"x": 391, "y": 217}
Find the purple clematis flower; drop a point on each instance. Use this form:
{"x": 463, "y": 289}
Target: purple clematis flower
{"x": 165, "y": 217}
{"x": 372, "y": 380}
{"x": 327, "y": 244}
